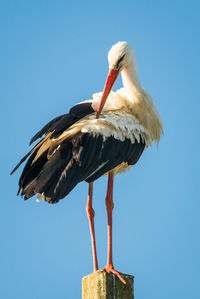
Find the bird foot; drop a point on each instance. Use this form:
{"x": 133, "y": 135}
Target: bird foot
{"x": 110, "y": 269}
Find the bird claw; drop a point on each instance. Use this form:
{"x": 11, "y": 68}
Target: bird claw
{"x": 110, "y": 269}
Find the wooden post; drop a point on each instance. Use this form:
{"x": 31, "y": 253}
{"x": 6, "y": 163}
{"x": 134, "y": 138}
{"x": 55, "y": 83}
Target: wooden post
{"x": 102, "y": 285}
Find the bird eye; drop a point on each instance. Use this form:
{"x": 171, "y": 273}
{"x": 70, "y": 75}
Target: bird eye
{"x": 120, "y": 60}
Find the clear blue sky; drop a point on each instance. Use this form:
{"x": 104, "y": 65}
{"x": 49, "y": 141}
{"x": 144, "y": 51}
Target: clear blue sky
{"x": 54, "y": 54}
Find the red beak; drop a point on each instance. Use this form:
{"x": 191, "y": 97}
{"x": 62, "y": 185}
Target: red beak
{"x": 112, "y": 77}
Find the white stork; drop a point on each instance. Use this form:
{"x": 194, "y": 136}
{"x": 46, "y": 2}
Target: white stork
{"x": 102, "y": 136}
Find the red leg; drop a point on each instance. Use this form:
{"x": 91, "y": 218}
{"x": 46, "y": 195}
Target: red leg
{"x": 91, "y": 213}
{"x": 109, "y": 206}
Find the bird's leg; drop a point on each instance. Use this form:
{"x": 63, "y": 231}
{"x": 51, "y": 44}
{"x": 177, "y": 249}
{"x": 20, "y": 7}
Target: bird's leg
{"x": 109, "y": 206}
{"x": 91, "y": 213}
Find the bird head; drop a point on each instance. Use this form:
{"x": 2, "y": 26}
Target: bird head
{"x": 119, "y": 57}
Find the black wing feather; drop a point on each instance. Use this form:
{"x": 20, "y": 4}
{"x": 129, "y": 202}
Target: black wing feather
{"x": 116, "y": 152}
{"x": 47, "y": 128}
{"x": 63, "y": 122}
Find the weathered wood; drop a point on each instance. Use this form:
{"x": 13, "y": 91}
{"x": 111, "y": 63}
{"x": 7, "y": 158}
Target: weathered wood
{"x": 102, "y": 285}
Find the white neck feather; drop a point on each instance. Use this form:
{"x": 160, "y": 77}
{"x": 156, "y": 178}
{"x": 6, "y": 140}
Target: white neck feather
{"x": 141, "y": 104}
{"x": 131, "y": 82}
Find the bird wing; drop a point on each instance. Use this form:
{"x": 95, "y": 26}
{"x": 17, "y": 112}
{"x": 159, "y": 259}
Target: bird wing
{"x": 81, "y": 157}
{"x": 85, "y": 150}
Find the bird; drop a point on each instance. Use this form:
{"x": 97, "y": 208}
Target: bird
{"x": 102, "y": 136}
